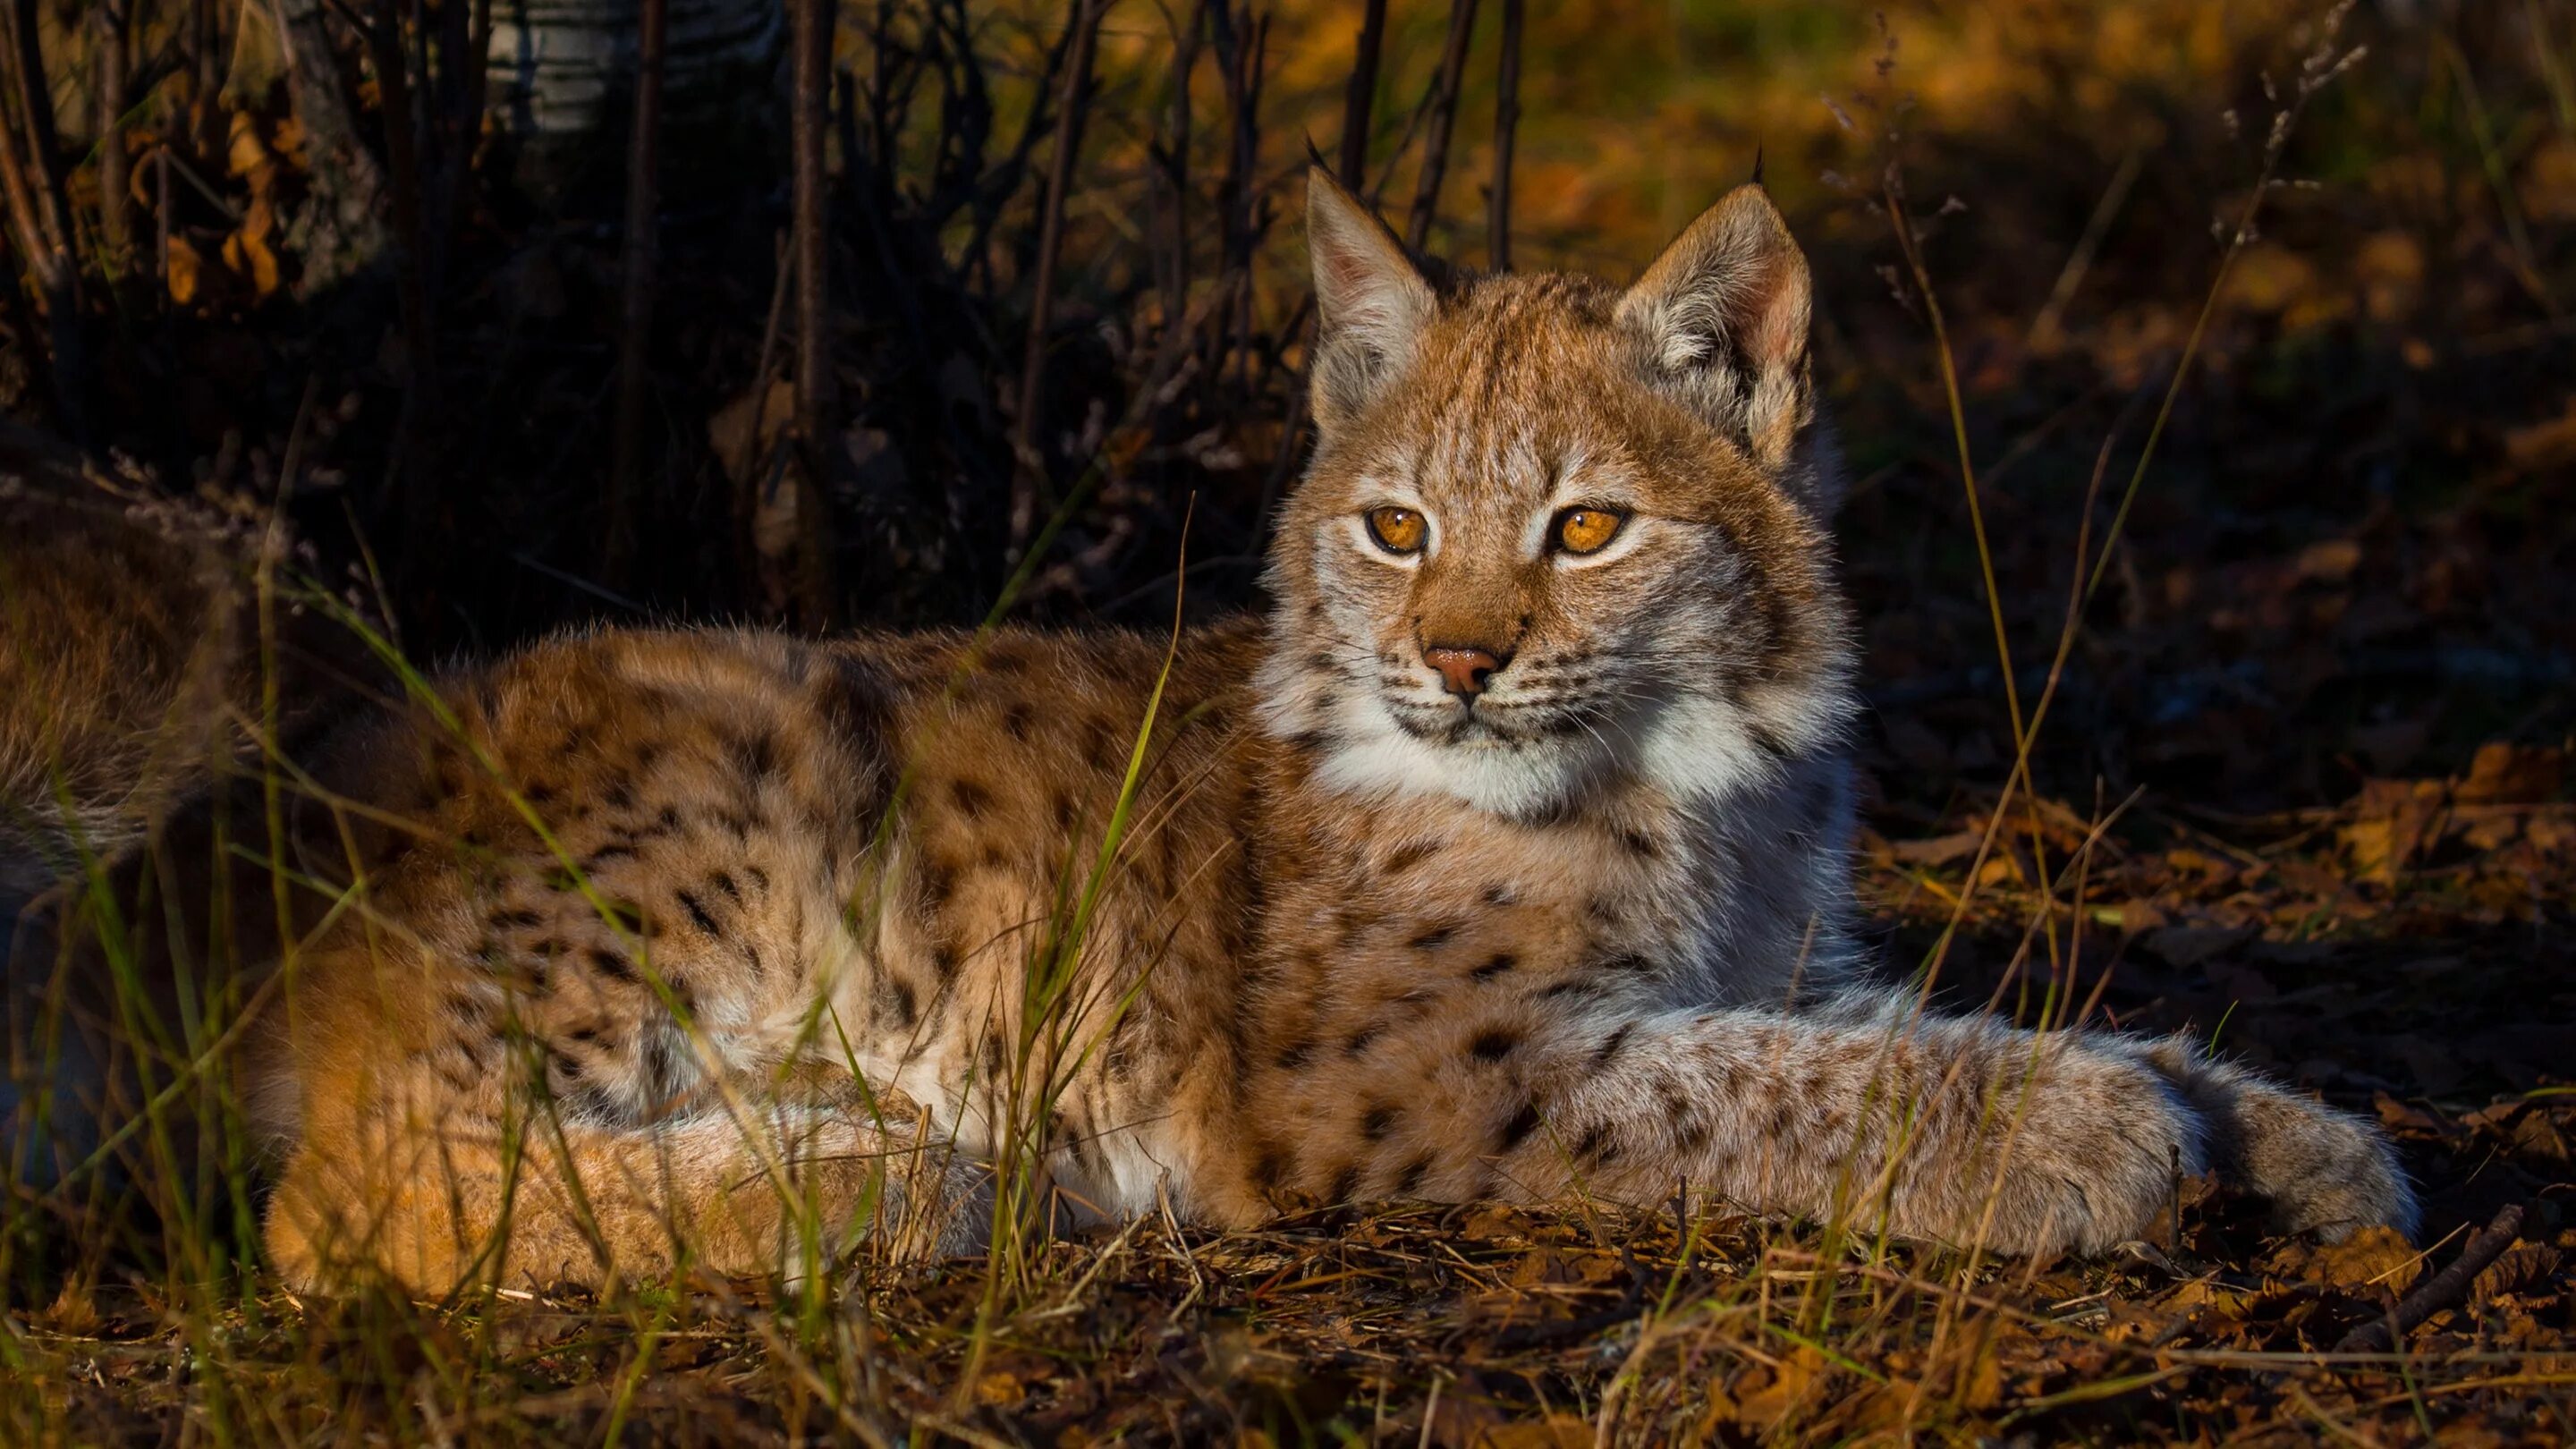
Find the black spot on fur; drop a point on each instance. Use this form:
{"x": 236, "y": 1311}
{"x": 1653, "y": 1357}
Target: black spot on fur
{"x": 1610, "y": 1045}
{"x": 1498, "y": 894}
{"x": 1269, "y": 1170}
{"x": 1639, "y": 844}
{"x": 1406, "y": 857}
{"x": 1677, "y": 1103}
{"x": 755, "y": 755}
{"x": 1770, "y": 741}
{"x": 1377, "y": 1121}
{"x": 1783, "y": 1115}
{"x": 697, "y": 912}
{"x": 1361, "y": 1038}
{"x": 972, "y": 799}
{"x": 662, "y": 1068}
{"x": 518, "y": 916}
{"x": 1435, "y": 937}
{"x": 724, "y": 885}
{"x": 1595, "y": 1146}
{"x": 1517, "y": 1130}
{"x": 1017, "y": 721}
{"x": 1503, "y": 961}
{"x": 1694, "y": 1133}
{"x": 1062, "y": 804}
{"x": 1625, "y": 965}
{"x": 1493, "y": 1043}
{"x": 1346, "y": 1184}
{"x": 620, "y": 795}
{"x": 1408, "y": 1183}
{"x": 1295, "y": 1055}
{"x": 608, "y": 963}
{"x": 938, "y": 883}
{"x": 902, "y": 1002}
{"x": 616, "y": 850}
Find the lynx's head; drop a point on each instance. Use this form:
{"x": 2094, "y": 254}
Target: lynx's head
{"x": 1558, "y": 535}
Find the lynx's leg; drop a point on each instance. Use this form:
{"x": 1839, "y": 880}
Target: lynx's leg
{"x": 437, "y": 1205}
{"x": 1953, "y": 1129}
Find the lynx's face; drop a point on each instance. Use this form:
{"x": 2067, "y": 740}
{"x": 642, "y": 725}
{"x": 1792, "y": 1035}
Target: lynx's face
{"x": 1557, "y": 534}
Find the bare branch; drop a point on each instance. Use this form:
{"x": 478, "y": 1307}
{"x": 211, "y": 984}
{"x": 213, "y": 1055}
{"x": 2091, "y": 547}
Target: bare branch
{"x": 1444, "y": 119}
{"x": 1075, "y": 102}
{"x": 1507, "y": 119}
{"x": 1362, "y": 95}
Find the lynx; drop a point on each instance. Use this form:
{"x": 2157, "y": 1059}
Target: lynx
{"x": 1505, "y": 858}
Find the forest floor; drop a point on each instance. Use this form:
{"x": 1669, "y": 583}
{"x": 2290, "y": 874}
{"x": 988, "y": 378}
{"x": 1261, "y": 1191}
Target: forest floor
{"x": 2435, "y": 992}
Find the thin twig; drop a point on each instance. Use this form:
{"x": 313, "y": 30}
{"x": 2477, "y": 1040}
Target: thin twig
{"x": 110, "y": 34}
{"x": 1076, "y": 100}
{"x": 1444, "y": 118}
{"x": 1507, "y": 119}
{"x": 810, "y": 588}
{"x": 634, "y": 353}
{"x": 1361, "y": 95}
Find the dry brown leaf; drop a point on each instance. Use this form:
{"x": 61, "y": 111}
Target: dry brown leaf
{"x": 1556, "y": 1431}
{"x": 1785, "y": 1387}
{"x": 2330, "y": 560}
{"x": 1940, "y": 849}
{"x": 2509, "y": 774}
{"x": 742, "y": 430}
{"x": 2376, "y": 1255}
{"x": 186, "y": 271}
{"x": 2549, "y": 443}
{"x": 2521, "y": 1264}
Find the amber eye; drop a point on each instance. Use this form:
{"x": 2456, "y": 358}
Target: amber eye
{"x": 1586, "y": 530}
{"x": 1397, "y": 530}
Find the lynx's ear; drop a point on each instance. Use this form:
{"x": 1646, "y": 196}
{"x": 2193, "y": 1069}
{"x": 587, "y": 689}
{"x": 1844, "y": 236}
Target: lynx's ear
{"x": 1371, "y": 302}
{"x": 1724, "y": 315}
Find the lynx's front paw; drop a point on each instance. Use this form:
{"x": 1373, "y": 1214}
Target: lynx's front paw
{"x": 2095, "y": 1156}
{"x": 2074, "y": 1157}
{"x": 2325, "y": 1172}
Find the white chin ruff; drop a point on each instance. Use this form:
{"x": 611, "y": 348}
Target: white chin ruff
{"x": 1693, "y": 749}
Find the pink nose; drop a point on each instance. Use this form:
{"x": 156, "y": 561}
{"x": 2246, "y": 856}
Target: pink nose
{"x": 1463, "y": 667}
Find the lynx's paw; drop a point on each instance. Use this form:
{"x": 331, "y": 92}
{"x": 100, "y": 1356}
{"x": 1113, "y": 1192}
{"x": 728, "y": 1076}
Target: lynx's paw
{"x": 2326, "y": 1172}
{"x": 2095, "y": 1156}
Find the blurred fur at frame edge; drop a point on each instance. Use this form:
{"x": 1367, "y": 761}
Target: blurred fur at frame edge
{"x": 130, "y": 676}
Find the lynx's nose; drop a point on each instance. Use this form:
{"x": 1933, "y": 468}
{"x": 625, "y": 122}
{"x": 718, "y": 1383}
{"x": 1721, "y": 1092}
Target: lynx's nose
{"x": 1463, "y": 667}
